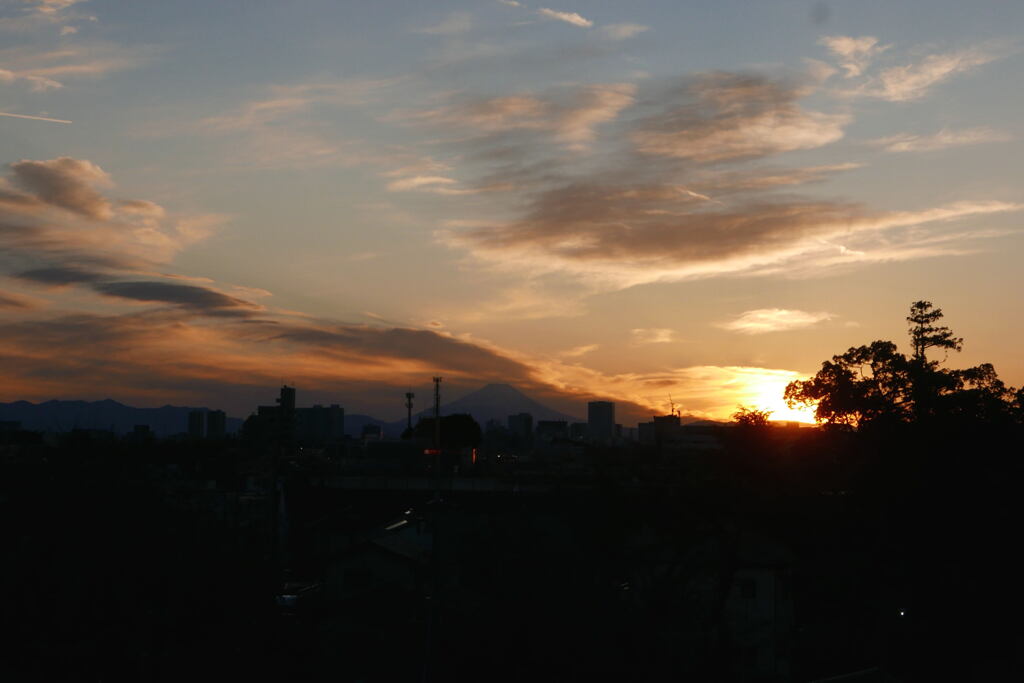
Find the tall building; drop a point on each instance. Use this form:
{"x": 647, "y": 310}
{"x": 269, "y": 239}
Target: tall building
{"x": 320, "y": 425}
{"x": 578, "y": 431}
{"x": 661, "y": 431}
{"x": 285, "y": 415}
{"x": 601, "y": 420}
{"x": 286, "y": 401}
{"x": 521, "y": 425}
{"x": 273, "y": 424}
{"x": 285, "y": 424}
{"x": 196, "y": 424}
{"x": 216, "y": 424}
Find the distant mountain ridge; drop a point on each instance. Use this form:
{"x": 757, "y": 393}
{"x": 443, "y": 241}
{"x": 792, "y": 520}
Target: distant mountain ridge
{"x": 491, "y": 402}
{"x": 63, "y": 416}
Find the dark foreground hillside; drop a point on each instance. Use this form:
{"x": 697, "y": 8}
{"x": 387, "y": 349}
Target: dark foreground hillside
{"x": 792, "y": 555}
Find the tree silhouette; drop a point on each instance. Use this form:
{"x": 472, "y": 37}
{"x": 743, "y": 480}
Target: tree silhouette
{"x": 924, "y": 334}
{"x": 751, "y": 418}
{"x": 876, "y": 384}
{"x": 868, "y": 383}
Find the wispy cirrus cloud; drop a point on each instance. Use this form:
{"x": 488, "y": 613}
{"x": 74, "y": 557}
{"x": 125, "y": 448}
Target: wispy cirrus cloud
{"x": 717, "y": 182}
{"x": 575, "y": 230}
{"x": 908, "y": 142}
{"x": 282, "y": 102}
{"x": 36, "y": 83}
{"x": 453, "y": 24}
{"x": 680, "y": 196}
{"x": 577, "y": 351}
{"x": 915, "y": 80}
{"x": 571, "y": 114}
{"x": 33, "y": 118}
{"x": 652, "y": 335}
{"x": 283, "y": 129}
{"x": 623, "y": 31}
{"x": 49, "y": 69}
{"x": 50, "y": 6}
{"x": 617, "y": 31}
{"x": 34, "y": 14}
{"x": 567, "y": 17}
{"x": 440, "y": 185}
{"x": 419, "y": 182}
{"x": 764, "y": 320}
{"x": 854, "y": 54}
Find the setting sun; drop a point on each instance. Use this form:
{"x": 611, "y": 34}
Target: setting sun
{"x": 768, "y": 395}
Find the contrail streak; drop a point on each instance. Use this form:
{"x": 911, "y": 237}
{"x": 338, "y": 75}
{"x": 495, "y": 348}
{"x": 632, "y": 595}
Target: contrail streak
{"x": 34, "y": 118}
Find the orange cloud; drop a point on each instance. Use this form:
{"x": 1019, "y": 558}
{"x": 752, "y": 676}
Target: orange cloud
{"x": 13, "y": 301}
{"x": 762, "y": 320}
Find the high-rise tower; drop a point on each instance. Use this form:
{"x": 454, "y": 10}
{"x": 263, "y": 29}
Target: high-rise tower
{"x": 601, "y": 421}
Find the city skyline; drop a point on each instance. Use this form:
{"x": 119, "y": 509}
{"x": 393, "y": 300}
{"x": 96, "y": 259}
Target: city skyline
{"x": 661, "y": 205}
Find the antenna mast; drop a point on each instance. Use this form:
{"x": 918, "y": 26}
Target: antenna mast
{"x": 437, "y": 438}
{"x": 408, "y": 407}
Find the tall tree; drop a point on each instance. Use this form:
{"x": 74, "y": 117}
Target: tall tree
{"x": 925, "y": 334}
{"x": 875, "y": 383}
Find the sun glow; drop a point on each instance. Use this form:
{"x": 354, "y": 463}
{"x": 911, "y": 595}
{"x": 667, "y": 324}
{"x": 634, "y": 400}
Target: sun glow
{"x": 768, "y": 395}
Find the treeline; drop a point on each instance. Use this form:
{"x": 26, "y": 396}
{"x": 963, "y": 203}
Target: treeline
{"x": 876, "y": 386}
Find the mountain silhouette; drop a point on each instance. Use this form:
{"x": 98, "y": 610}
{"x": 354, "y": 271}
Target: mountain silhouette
{"x": 63, "y": 416}
{"x": 355, "y": 422}
{"x": 492, "y": 402}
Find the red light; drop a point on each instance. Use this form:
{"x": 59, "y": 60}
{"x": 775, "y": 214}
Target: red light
{"x": 432, "y": 451}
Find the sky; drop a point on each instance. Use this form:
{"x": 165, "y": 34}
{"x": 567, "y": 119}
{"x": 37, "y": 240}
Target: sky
{"x": 672, "y": 203}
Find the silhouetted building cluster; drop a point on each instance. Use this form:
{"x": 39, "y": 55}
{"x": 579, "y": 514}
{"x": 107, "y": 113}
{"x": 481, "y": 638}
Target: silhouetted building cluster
{"x": 285, "y": 424}
{"x": 552, "y": 430}
{"x": 207, "y": 424}
{"x": 521, "y": 425}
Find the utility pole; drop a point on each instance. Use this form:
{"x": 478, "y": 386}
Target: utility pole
{"x": 437, "y": 438}
{"x": 433, "y": 622}
{"x": 408, "y": 407}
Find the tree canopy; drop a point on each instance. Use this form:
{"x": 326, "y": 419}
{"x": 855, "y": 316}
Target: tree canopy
{"x": 751, "y": 417}
{"x": 876, "y": 384}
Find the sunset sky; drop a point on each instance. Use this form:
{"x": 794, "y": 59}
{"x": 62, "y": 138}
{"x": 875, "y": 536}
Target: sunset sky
{"x": 200, "y": 200}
